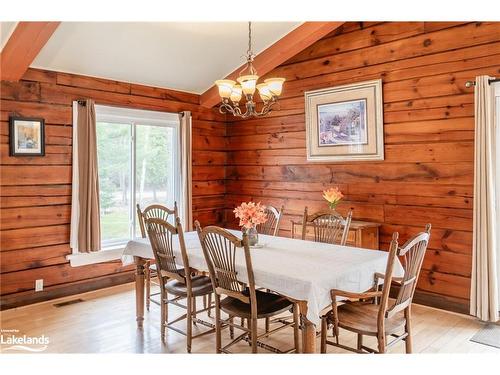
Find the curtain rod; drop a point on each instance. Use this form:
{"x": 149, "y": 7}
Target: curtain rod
{"x": 473, "y": 83}
{"x": 83, "y": 102}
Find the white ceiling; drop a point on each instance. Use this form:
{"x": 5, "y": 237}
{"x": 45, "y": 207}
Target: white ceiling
{"x": 178, "y": 55}
{"x": 6, "y": 29}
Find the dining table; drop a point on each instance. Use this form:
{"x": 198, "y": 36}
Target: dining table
{"x": 303, "y": 271}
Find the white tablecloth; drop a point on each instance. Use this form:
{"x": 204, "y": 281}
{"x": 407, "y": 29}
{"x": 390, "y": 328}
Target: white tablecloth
{"x": 302, "y": 270}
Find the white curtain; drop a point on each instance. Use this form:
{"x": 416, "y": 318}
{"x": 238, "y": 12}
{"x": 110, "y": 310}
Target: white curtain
{"x": 484, "y": 302}
{"x": 185, "y": 167}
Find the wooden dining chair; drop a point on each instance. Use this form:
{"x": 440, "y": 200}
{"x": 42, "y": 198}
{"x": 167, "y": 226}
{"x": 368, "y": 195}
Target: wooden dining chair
{"x": 157, "y": 211}
{"x": 382, "y": 320}
{"x": 328, "y": 227}
{"x": 182, "y": 283}
{"x": 272, "y": 226}
{"x": 242, "y": 299}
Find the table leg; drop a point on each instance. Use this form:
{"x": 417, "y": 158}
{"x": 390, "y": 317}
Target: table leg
{"x": 139, "y": 290}
{"x": 308, "y": 330}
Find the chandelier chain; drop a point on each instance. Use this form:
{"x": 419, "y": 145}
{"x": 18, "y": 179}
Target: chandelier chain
{"x": 249, "y": 51}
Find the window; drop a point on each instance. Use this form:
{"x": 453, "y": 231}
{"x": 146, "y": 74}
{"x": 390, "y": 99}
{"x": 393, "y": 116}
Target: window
{"x": 137, "y": 155}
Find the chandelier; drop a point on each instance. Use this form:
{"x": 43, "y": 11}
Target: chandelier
{"x": 231, "y": 91}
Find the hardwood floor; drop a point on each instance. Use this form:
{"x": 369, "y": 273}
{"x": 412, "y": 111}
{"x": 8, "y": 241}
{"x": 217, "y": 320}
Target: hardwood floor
{"x": 105, "y": 323}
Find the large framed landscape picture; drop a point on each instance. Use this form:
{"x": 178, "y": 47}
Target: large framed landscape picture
{"x": 345, "y": 123}
{"x": 26, "y": 136}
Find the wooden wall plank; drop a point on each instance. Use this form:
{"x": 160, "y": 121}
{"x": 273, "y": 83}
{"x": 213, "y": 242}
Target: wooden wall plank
{"x": 442, "y": 239}
{"x": 19, "y": 201}
{"x": 63, "y": 290}
{"x": 25, "y": 238}
{"x": 43, "y": 256}
{"x": 35, "y": 191}
{"x": 21, "y": 281}
{"x": 35, "y": 175}
{"x": 396, "y": 153}
{"x": 369, "y": 36}
{"x": 439, "y": 173}
{"x": 37, "y": 216}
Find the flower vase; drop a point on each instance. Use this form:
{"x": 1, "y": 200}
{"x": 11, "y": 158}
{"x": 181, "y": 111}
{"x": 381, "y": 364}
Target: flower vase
{"x": 333, "y": 207}
{"x": 253, "y": 235}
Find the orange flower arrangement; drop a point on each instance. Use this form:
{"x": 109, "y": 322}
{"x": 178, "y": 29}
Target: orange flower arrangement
{"x": 250, "y": 214}
{"x": 333, "y": 196}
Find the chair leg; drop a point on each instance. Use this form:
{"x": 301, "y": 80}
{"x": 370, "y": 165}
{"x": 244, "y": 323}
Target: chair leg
{"x": 296, "y": 322}
{"x": 408, "y": 342}
{"x": 249, "y": 326}
{"x": 336, "y": 333}
{"x": 360, "y": 342}
{"x": 189, "y": 323}
{"x": 267, "y": 325}
{"x": 166, "y": 307}
{"x": 254, "y": 335}
{"x": 147, "y": 276}
{"x": 163, "y": 317}
{"x": 218, "y": 339}
{"x": 324, "y": 329}
{"x": 381, "y": 343}
{"x": 231, "y": 328}
{"x": 194, "y": 309}
{"x": 209, "y": 312}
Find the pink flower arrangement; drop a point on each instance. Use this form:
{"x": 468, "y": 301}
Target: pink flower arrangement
{"x": 250, "y": 214}
{"x": 333, "y": 196}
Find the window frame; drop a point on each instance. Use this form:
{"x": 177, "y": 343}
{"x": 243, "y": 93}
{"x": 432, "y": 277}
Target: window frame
{"x": 134, "y": 118}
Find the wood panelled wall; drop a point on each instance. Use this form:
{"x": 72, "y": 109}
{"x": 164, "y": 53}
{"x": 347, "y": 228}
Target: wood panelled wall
{"x": 36, "y": 191}
{"x": 427, "y": 174}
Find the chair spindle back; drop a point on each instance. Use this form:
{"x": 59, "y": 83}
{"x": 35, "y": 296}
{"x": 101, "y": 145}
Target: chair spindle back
{"x": 328, "y": 227}
{"x": 220, "y": 248}
{"x": 272, "y": 225}
{"x": 156, "y": 211}
{"x": 161, "y": 235}
{"x": 412, "y": 254}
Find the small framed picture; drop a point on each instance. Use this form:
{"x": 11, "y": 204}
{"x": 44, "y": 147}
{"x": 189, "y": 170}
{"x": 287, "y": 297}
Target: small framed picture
{"x": 27, "y": 136}
{"x": 344, "y": 123}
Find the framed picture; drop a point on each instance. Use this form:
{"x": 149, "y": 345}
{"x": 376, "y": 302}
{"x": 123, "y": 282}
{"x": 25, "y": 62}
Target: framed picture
{"x": 345, "y": 123}
{"x": 27, "y": 136}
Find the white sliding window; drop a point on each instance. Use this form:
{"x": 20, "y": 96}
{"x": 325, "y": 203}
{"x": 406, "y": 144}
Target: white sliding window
{"x": 138, "y": 163}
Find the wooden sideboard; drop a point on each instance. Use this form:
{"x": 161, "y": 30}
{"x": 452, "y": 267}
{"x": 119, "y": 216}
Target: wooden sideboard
{"x": 361, "y": 233}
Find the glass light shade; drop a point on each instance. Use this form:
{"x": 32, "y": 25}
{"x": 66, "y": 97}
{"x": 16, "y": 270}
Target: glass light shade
{"x": 264, "y": 92}
{"x": 236, "y": 94}
{"x": 275, "y": 85}
{"x": 248, "y": 83}
{"x": 225, "y": 87}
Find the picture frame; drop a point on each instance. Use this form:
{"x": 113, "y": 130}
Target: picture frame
{"x": 26, "y": 136}
{"x": 345, "y": 123}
